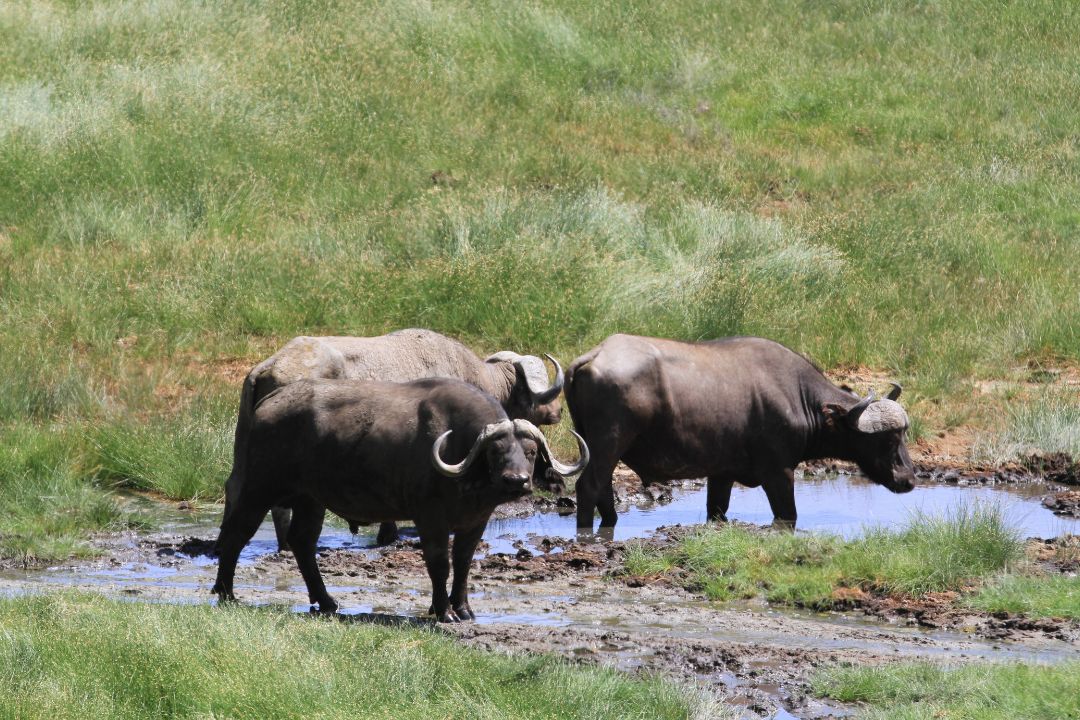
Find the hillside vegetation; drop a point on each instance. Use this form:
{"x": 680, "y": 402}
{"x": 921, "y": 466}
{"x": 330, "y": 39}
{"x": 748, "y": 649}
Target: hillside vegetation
{"x": 186, "y": 185}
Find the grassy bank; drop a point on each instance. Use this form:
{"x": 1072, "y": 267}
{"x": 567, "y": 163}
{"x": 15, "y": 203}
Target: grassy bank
{"x": 972, "y": 548}
{"x": 85, "y": 657}
{"x": 1053, "y": 596}
{"x": 969, "y": 692}
{"x": 186, "y": 185}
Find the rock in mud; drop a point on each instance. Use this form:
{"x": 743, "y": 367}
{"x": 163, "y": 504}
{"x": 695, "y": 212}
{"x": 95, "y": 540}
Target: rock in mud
{"x": 1065, "y": 503}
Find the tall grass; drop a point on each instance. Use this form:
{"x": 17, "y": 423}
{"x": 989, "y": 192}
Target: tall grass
{"x": 935, "y": 552}
{"x": 183, "y": 456}
{"x": 1049, "y": 424}
{"x": 969, "y": 546}
{"x": 69, "y": 656}
{"x": 49, "y": 508}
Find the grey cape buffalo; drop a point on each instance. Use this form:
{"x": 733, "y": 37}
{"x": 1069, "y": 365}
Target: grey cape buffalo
{"x": 438, "y": 452}
{"x": 739, "y": 409}
{"x": 519, "y": 382}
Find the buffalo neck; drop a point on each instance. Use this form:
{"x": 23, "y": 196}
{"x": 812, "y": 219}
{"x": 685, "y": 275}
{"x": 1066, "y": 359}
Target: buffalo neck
{"x": 826, "y": 440}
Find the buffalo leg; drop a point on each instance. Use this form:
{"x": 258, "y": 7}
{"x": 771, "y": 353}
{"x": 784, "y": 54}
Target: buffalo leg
{"x": 232, "y": 489}
{"x": 717, "y": 498}
{"x": 236, "y": 530}
{"x": 465, "y": 542}
{"x": 780, "y": 489}
{"x": 281, "y": 517}
{"x": 594, "y": 491}
{"x": 304, "y": 530}
{"x": 388, "y": 534}
{"x": 434, "y": 544}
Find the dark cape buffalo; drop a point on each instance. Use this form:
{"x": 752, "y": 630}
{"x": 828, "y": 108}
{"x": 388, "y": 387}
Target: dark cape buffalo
{"x": 739, "y": 409}
{"x": 519, "y": 382}
{"x": 375, "y": 451}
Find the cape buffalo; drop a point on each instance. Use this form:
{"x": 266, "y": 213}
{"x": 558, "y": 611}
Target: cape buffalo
{"x": 519, "y": 382}
{"x": 374, "y": 451}
{"x": 739, "y": 409}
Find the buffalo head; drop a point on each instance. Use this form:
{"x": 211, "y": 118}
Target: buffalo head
{"x": 874, "y": 431}
{"x": 532, "y": 396}
{"x": 510, "y": 448}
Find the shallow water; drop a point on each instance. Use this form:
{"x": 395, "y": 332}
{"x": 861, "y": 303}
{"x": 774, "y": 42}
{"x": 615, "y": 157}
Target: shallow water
{"x": 844, "y": 505}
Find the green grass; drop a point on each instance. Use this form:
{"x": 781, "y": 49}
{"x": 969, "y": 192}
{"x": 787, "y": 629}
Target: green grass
{"x": 78, "y": 656}
{"x": 930, "y": 554}
{"x": 184, "y": 186}
{"x": 1054, "y": 596}
{"x": 181, "y": 456}
{"x": 49, "y": 508}
{"x": 1049, "y": 424}
{"x": 918, "y": 691}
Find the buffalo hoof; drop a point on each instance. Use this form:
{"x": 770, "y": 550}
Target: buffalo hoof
{"x": 449, "y": 615}
{"x": 464, "y": 612}
{"x": 224, "y": 597}
{"x": 325, "y": 607}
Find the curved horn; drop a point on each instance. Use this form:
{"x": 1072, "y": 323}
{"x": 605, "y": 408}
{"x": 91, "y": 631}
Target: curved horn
{"x": 542, "y": 398}
{"x": 895, "y": 392}
{"x": 857, "y": 410}
{"x": 444, "y": 468}
{"x": 482, "y": 439}
{"x": 527, "y": 428}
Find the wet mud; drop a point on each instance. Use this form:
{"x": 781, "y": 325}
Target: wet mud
{"x": 539, "y": 586}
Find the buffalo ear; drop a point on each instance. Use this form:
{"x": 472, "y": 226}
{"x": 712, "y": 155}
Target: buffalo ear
{"x": 833, "y": 413}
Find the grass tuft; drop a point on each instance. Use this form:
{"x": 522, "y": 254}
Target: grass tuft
{"x": 185, "y": 456}
{"x": 49, "y": 508}
{"x": 930, "y": 554}
{"x": 935, "y": 553}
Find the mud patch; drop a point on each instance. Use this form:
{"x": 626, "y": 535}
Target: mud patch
{"x": 1055, "y": 467}
{"x": 940, "y": 611}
